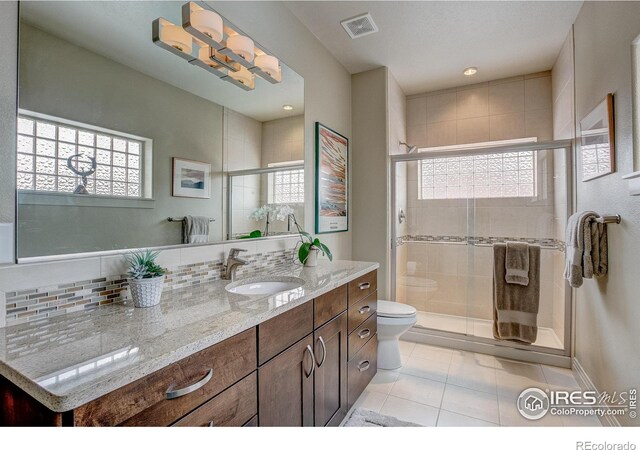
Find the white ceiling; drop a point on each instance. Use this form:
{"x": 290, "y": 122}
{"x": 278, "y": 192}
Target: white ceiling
{"x": 121, "y": 31}
{"x": 426, "y": 45}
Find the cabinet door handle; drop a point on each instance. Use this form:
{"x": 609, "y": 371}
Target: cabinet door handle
{"x": 324, "y": 351}
{"x": 364, "y": 333}
{"x": 364, "y": 286}
{"x": 364, "y": 309}
{"x": 189, "y": 389}
{"x": 211, "y": 423}
{"x": 313, "y": 361}
{"x": 364, "y": 365}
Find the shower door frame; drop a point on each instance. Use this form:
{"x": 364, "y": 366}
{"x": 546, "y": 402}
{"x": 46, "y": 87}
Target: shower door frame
{"x": 534, "y": 353}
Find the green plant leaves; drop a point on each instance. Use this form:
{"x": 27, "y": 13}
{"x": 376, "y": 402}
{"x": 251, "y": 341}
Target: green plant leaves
{"x": 303, "y": 252}
{"x": 142, "y": 264}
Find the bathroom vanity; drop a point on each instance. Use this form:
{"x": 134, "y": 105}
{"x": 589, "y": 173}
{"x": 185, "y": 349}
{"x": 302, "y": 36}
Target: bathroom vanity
{"x": 203, "y": 357}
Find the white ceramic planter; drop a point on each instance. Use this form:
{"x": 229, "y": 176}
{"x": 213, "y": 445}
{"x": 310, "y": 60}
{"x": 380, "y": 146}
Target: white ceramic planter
{"x": 312, "y": 259}
{"x": 146, "y": 292}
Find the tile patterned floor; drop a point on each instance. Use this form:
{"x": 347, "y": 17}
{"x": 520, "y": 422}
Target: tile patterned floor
{"x": 443, "y": 387}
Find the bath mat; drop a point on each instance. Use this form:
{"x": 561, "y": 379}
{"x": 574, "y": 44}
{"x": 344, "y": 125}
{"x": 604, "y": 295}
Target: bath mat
{"x": 361, "y": 417}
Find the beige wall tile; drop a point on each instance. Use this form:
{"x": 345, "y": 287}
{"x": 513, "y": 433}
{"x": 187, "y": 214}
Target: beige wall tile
{"x": 506, "y": 98}
{"x": 417, "y": 111}
{"x": 563, "y": 126}
{"x": 539, "y": 123}
{"x": 537, "y": 93}
{"x": 472, "y": 103}
{"x": 472, "y": 130}
{"x": 441, "y": 107}
{"x": 506, "y": 80}
{"x": 441, "y": 133}
{"x": 506, "y": 126}
{"x": 545, "y": 73}
{"x": 417, "y": 135}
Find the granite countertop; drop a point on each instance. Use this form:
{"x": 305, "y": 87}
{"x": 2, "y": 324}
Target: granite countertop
{"x": 67, "y": 361}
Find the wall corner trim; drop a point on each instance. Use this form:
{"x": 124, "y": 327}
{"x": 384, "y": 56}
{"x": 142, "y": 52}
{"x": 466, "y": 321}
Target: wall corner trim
{"x": 586, "y": 384}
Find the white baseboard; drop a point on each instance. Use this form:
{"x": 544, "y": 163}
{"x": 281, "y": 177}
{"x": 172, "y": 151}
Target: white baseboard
{"x": 587, "y": 385}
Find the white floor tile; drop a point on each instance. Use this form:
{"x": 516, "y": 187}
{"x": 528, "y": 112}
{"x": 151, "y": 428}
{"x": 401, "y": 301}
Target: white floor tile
{"x": 432, "y": 369}
{"x": 431, "y": 352}
{"x": 421, "y": 390}
{"x": 509, "y": 415}
{"x": 383, "y": 381}
{"x": 410, "y": 411}
{"x": 559, "y": 378}
{"x": 472, "y": 373}
{"x": 450, "y": 419}
{"x": 513, "y": 377}
{"x": 406, "y": 348}
{"x": 370, "y": 400}
{"x": 581, "y": 421}
{"x": 480, "y": 405}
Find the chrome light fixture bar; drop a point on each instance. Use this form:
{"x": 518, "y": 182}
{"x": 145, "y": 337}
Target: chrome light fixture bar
{"x": 222, "y": 46}
{"x": 211, "y": 62}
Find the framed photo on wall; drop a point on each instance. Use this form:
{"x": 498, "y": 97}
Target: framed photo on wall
{"x": 332, "y": 150}
{"x": 191, "y": 178}
{"x": 597, "y": 141}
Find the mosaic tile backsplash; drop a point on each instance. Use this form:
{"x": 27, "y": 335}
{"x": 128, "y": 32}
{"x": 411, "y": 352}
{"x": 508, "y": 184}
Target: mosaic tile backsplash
{"x": 50, "y": 301}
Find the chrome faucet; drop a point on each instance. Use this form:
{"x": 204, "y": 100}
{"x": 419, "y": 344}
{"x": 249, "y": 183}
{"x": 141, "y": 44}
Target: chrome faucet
{"x": 232, "y": 264}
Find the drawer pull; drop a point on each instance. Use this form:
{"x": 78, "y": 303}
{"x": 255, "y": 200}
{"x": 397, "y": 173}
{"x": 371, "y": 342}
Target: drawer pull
{"x": 364, "y": 286}
{"x": 170, "y": 395}
{"x": 364, "y": 309}
{"x": 364, "y": 333}
{"x": 211, "y": 423}
{"x": 309, "y": 350}
{"x": 364, "y": 365}
{"x": 324, "y": 351}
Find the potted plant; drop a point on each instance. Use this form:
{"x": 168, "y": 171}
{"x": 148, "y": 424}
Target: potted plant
{"x": 270, "y": 213}
{"x": 308, "y": 251}
{"x": 146, "y": 278}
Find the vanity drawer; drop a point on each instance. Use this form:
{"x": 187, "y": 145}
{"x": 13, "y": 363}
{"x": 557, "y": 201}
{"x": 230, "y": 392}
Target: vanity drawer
{"x": 231, "y": 408}
{"x": 145, "y": 402}
{"x": 362, "y": 287}
{"x": 362, "y": 334}
{"x": 362, "y": 310}
{"x": 279, "y": 333}
{"x": 361, "y": 369}
{"x": 253, "y": 422}
{"x": 329, "y": 305}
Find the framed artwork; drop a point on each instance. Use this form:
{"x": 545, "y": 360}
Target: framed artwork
{"x": 191, "y": 178}
{"x": 331, "y": 180}
{"x": 597, "y": 141}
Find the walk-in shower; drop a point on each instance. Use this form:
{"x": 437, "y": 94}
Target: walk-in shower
{"x": 450, "y": 205}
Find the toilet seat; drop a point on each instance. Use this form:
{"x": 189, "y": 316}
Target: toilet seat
{"x": 395, "y": 310}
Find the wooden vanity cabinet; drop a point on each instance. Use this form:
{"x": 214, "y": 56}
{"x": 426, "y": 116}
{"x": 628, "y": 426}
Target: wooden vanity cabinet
{"x": 304, "y": 367}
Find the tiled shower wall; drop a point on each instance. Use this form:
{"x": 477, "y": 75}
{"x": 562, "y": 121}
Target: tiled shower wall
{"x": 36, "y": 291}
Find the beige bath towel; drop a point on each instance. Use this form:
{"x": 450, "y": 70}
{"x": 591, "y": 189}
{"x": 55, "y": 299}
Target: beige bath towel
{"x": 517, "y": 263}
{"x": 515, "y": 307}
{"x": 586, "y": 248}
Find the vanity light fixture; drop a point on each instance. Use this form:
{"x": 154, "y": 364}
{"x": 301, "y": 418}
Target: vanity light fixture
{"x": 469, "y": 71}
{"x": 241, "y": 46}
{"x": 287, "y": 107}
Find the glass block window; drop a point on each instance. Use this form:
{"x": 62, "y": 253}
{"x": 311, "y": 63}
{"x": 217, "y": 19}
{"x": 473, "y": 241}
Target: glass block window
{"x": 478, "y": 176}
{"x": 286, "y": 186}
{"x": 44, "y": 147}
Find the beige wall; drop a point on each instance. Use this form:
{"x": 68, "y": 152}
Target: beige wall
{"x": 63, "y": 80}
{"x": 510, "y": 108}
{"x": 283, "y": 140}
{"x": 607, "y": 336}
{"x": 327, "y": 87}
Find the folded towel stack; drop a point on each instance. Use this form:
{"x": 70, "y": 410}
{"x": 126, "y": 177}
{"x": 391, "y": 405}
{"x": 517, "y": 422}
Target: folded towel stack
{"x": 586, "y": 248}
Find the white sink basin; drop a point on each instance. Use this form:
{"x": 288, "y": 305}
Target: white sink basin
{"x": 264, "y": 286}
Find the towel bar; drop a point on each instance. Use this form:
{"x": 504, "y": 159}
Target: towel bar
{"x": 615, "y": 218}
{"x": 180, "y": 219}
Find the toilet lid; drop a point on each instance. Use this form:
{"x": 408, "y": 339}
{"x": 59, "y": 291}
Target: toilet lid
{"x": 394, "y": 309}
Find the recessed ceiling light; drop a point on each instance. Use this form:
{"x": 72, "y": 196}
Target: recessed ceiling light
{"x": 470, "y": 71}
{"x": 287, "y": 107}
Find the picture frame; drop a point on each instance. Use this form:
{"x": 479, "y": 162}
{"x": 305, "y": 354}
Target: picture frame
{"x": 332, "y": 183}
{"x": 597, "y": 141}
{"x": 191, "y": 178}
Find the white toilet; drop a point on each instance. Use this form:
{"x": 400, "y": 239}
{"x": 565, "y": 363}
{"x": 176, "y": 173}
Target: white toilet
{"x": 393, "y": 320}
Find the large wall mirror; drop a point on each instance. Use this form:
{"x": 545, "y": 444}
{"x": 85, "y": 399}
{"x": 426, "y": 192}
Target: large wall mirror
{"x": 117, "y": 135}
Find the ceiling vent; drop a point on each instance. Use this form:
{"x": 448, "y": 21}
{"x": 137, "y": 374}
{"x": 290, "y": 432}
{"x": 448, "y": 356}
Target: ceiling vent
{"x": 359, "y": 26}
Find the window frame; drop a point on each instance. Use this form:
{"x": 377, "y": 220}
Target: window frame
{"x": 145, "y": 161}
